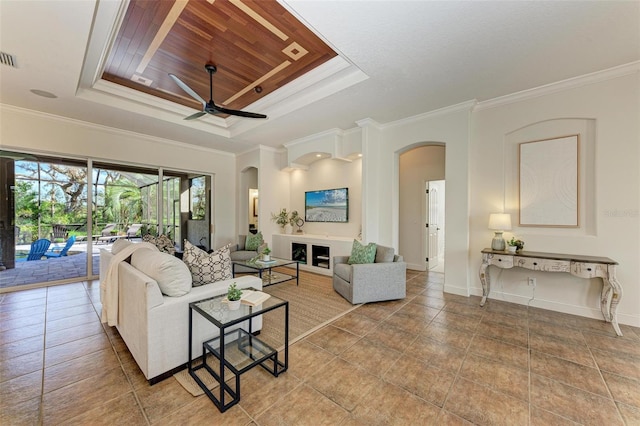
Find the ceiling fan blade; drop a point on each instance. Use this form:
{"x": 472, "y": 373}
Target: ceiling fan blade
{"x": 196, "y": 115}
{"x": 189, "y": 90}
{"x": 239, "y": 113}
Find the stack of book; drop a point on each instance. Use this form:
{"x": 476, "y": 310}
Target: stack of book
{"x": 265, "y": 262}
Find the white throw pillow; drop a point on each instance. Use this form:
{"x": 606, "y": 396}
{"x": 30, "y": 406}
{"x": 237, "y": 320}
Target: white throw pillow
{"x": 207, "y": 268}
{"x": 119, "y": 245}
{"x": 173, "y": 276}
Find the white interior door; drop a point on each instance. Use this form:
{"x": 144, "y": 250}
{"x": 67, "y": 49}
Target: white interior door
{"x": 432, "y": 225}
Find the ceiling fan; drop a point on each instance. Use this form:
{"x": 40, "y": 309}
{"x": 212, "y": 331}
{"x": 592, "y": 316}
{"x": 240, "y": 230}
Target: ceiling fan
{"x": 210, "y": 107}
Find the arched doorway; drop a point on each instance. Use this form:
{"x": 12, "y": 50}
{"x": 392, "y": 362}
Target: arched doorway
{"x": 418, "y": 166}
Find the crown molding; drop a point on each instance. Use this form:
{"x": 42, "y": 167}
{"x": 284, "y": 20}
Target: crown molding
{"x": 462, "y": 106}
{"x": 311, "y": 138}
{"x": 111, "y": 130}
{"x": 559, "y": 86}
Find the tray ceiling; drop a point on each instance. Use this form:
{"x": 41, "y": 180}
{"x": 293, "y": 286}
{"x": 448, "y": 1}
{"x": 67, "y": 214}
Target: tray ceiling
{"x": 257, "y": 46}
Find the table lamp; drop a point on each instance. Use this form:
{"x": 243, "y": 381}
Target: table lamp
{"x": 499, "y": 222}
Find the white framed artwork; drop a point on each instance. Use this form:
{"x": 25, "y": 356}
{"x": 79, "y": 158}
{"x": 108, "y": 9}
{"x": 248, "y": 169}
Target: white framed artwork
{"x": 548, "y": 182}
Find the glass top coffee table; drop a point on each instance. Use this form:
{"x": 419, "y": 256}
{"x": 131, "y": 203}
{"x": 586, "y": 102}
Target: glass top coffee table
{"x": 269, "y": 277}
{"x": 236, "y": 349}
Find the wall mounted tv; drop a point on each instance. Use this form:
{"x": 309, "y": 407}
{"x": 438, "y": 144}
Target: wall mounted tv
{"x": 327, "y": 205}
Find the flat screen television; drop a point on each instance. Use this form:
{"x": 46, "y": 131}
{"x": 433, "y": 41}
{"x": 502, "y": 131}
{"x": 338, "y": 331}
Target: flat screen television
{"x": 327, "y": 205}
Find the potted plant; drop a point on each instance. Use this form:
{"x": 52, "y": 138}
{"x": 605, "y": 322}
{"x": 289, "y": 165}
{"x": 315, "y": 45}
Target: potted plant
{"x": 266, "y": 254}
{"x": 296, "y": 219}
{"x": 282, "y": 219}
{"x": 514, "y": 245}
{"x": 233, "y": 297}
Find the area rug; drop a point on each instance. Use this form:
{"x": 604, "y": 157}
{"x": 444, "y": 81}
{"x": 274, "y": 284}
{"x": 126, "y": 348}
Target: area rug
{"x": 312, "y": 305}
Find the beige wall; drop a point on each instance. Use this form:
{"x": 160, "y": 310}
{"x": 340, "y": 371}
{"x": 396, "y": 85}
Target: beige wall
{"x": 329, "y": 174}
{"x": 606, "y": 115}
{"x": 24, "y": 130}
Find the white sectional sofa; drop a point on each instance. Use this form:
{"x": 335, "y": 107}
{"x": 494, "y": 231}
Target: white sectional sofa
{"x": 155, "y": 327}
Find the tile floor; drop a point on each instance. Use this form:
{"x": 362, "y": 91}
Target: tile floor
{"x": 432, "y": 358}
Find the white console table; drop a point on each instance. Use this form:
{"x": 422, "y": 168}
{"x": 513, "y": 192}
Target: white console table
{"x": 577, "y": 265}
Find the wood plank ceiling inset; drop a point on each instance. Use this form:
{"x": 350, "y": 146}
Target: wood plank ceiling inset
{"x": 252, "y": 43}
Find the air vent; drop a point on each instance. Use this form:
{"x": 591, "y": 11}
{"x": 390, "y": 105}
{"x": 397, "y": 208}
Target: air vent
{"x": 7, "y": 59}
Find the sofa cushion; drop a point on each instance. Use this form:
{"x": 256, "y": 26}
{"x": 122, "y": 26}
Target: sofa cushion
{"x": 162, "y": 241}
{"x": 173, "y": 276}
{"x": 384, "y": 254}
{"x": 361, "y": 253}
{"x": 207, "y": 268}
{"x": 253, "y": 241}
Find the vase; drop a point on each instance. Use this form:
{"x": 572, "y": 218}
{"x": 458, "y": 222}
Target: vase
{"x": 288, "y": 229}
{"x": 512, "y": 249}
{"x": 266, "y": 257}
{"x": 233, "y": 305}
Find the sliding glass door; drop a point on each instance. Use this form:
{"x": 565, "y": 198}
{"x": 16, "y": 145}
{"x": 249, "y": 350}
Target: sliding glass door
{"x": 55, "y": 199}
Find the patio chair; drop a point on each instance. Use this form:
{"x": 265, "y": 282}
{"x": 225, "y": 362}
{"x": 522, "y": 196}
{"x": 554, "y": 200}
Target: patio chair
{"x": 38, "y": 248}
{"x": 133, "y": 230}
{"x": 59, "y": 253}
{"x": 105, "y": 235}
{"x": 59, "y": 231}
{"x": 107, "y": 230}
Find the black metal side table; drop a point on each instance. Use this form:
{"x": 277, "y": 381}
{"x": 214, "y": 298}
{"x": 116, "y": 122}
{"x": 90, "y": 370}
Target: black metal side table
{"x": 235, "y": 348}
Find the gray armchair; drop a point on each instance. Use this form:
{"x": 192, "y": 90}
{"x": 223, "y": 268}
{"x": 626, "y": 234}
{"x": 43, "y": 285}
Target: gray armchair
{"x": 385, "y": 279}
{"x": 240, "y": 253}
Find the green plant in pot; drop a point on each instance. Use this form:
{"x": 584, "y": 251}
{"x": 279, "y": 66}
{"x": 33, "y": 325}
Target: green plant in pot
{"x": 514, "y": 245}
{"x": 266, "y": 254}
{"x": 234, "y": 294}
{"x": 281, "y": 218}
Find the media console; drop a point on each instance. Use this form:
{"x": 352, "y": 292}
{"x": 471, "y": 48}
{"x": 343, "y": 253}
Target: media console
{"x": 314, "y": 252}
{"x": 577, "y": 265}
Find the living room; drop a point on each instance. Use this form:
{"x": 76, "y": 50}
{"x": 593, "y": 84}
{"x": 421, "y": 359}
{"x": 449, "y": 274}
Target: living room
{"x": 481, "y": 141}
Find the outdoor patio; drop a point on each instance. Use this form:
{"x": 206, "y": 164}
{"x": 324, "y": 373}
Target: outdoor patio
{"x": 72, "y": 266}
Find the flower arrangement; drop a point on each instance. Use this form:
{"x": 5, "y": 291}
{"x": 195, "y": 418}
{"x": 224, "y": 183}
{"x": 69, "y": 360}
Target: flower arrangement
{"x": 517, "y": 243}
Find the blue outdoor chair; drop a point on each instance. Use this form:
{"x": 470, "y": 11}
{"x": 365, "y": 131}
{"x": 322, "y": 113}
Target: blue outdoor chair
{"x": 63, "y": 252}
{"x": 38, "y": 248}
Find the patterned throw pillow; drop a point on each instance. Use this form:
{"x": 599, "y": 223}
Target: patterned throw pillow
{"x": 362, "y": 254}
{"x": 163, "y": 243}
{"x": 207, "y": 268}
{"x": 253, "y": 241}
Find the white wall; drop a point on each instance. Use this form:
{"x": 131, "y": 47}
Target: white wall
{"x": 46, "y": 134}
{"x": 274, "y": 189}
{"x": 606, "y": 115}
{"x": 328, "y": 174}
{"x": 417, "y": 167}
{"x": 451, "y": 127}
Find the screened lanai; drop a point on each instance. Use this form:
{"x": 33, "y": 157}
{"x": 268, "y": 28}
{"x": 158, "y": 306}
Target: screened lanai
{"x": 87, "y": 205}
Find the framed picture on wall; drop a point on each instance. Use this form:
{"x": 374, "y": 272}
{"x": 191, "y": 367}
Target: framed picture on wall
{"x": 548, "y": 182}
{"x": 255, "y": 207}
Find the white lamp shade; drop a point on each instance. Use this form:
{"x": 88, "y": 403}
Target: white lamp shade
{"x": 500, "y": 221}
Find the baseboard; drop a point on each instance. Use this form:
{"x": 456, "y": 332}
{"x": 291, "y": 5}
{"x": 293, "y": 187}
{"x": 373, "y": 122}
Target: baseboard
{"x": 551, "y": 305}
{"x": 166, "y": 374}
{"x": 460, "y": 291}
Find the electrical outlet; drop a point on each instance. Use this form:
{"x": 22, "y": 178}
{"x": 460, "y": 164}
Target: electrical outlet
{"x": 532, "y": 281}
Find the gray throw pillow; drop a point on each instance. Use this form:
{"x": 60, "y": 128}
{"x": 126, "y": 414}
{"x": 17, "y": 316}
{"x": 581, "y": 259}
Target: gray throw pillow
{"x": 384, "y": 254}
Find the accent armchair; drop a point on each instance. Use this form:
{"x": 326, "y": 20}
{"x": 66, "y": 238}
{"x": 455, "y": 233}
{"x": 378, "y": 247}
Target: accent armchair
{"x": 385, "y": 279}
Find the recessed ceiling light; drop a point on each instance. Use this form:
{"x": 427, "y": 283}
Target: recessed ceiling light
{"x": 318, "y": 155}
{"x": 359, "y": 155}
{"x": 43, "y": 93}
